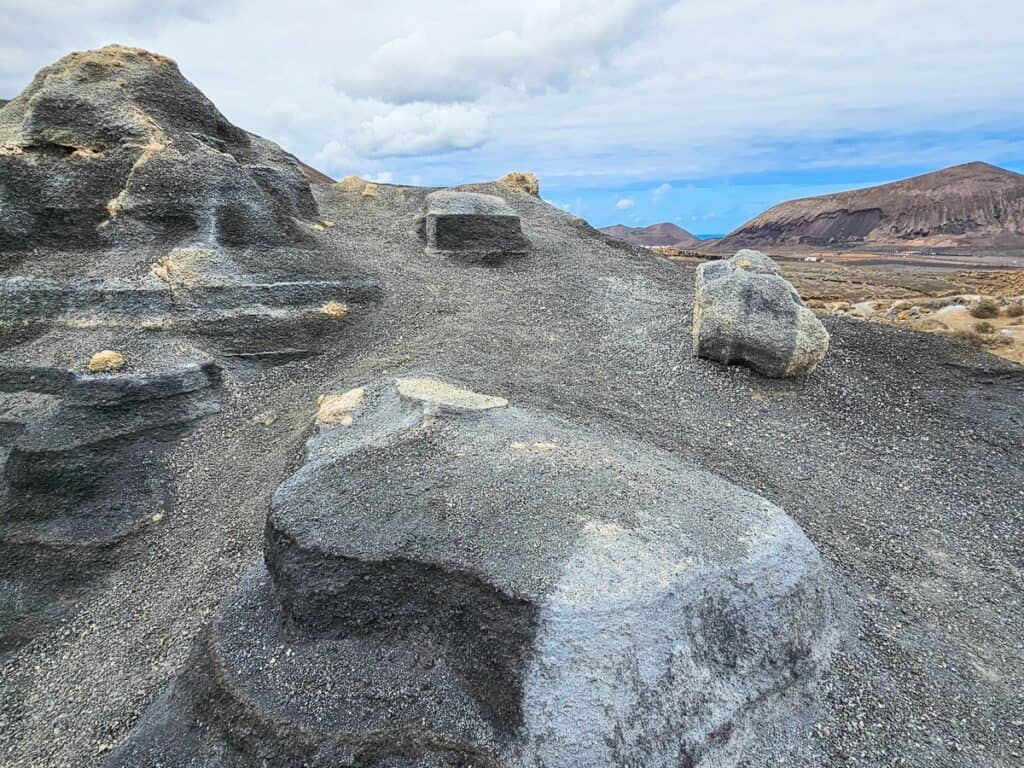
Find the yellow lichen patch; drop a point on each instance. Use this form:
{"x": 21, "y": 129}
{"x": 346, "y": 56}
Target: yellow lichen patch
{"x": 318, "y": 227}
{"x": 439, "y": 393}
{"x": 524, "y": 181}
{"x": 106, "y": 361}
{"x": 359, "y": 186}
{"x": 516, "y": 445}
{"x": 334, "y": 309}
{"x": 544, "y": 447}
{"x": 180, "y": 267}
{"x": 352, "y": 184}
{"x": 327, "y": 224}
{"x": 337, "y": 409}
{"x": 116, "y": 55}
{"x": 114, "y": 204}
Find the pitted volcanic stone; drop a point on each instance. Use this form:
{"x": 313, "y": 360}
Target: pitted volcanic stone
{"x": 472, "y": 224}
{"x": 513, "y": 590}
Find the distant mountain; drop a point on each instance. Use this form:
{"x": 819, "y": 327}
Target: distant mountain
{"x": 655, "y": 234}
{"x": 968, "y": 204}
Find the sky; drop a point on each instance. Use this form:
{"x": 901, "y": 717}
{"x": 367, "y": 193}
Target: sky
{"x": 629, "y": 111}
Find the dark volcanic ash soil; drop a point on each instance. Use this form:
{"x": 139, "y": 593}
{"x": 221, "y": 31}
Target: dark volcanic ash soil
{"x": 900, "y": 458}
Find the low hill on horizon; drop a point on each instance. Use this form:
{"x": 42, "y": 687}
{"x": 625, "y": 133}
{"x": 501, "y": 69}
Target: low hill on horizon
{"x": 971, "y": 204}
{"x": 661, "y": 234}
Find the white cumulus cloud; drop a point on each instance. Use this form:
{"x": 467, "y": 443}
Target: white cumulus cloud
{"x": 544, "y": 46}
{"x": 625, "y": 203}
{"x": 423, "y": 128}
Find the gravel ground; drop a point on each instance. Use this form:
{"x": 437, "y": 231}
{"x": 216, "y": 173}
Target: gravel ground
{"x": 900, "y": 457}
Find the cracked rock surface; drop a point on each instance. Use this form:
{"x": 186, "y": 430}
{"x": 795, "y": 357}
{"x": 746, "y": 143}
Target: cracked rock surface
{"x": 115, "y": 145}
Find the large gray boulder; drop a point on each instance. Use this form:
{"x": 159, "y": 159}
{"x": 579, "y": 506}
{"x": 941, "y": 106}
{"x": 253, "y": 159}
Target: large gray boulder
{"x": 454, "y": 581}
{"x": 115, "y": 147}
{"x": 745, "y": 312}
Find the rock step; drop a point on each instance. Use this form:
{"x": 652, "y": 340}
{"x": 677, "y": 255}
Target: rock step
{"x": 349, "y": 702}
{"x": 28, "y": 298}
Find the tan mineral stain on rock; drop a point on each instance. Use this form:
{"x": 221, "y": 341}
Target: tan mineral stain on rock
{"x": 334, "y": 309}
{"x": 439, "y": 393}
{"x": 337, "y": 409}
{"x": 106, "y": 361}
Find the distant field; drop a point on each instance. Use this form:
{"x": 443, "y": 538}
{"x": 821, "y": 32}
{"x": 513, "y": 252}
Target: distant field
{"x": 943, "y": 289}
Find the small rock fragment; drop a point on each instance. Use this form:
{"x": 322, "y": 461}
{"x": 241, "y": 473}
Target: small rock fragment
{"x": 106, "y": 361}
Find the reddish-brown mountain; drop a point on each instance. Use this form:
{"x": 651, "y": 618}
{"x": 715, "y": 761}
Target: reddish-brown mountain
{"x": 972, "y": 204}
{"x": 655, "y": 234}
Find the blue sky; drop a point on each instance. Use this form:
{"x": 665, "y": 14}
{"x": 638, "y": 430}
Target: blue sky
{"x": 632, "y": 111}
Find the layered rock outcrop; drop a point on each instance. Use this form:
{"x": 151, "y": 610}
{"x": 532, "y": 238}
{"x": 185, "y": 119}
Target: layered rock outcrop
{"x": 115, "y": 147}
{"x": 471, "y": 226}
{"x": 451, "y": 580}
{"x": 147, "y": 246}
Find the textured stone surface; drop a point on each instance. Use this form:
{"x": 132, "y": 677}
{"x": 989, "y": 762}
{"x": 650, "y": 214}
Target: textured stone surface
{"x": 472, "y": 225}
{"x": 461, "y": 597}
{"x": 744, "y": 312}
{"x": 147, "y": 246}
{"x": 113, "y": 146}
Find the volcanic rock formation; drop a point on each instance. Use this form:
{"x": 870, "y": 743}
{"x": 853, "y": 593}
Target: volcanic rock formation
{"x": 146, "y": 246}
{"x": 973, "y": 203}
{"x": 453, "y": 581}
{"x": 664, "y": 234}
{"x": 743, "y": 311}
{"x": 115, "y": 146}
{"x": 554, "y": 566}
